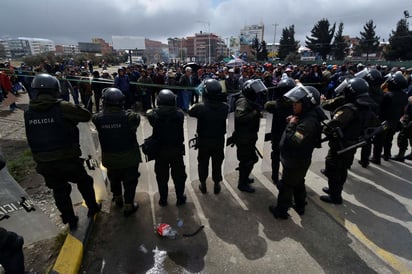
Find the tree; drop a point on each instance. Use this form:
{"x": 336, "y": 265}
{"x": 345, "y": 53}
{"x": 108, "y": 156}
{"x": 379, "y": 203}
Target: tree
{"x": 287, "y": 43}
{"x": 368, "y": 42}
{"x": 339, "y": 45}
{"x": 399, "y": 42}
{"x": 320, "y": 40}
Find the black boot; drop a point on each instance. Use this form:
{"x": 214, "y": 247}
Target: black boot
{"x": 118, "y": 200}
{"x": 246, "y": 188}
{"x": 94, "y": 210}
{"x": 375, "y": 160}
{"x": 181, "y": 200}
{"x": 364, "y": 163}
{"x": 217, "y": 188}
{"x": 326, "y": 189}
{"x": 202, "y": 187}
{"x": 278, "y": 213}
{"x": 129, "y": 209}
{"x": 400, "y": 157}
{"x": 331, "y": 200}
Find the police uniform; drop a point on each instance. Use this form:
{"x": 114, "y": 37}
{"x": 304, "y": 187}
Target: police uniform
{"x": 280, "y": 110}
{"x": 167, "y": 123}
{"x": 247, "y": 118}
{"x": 405, "y": 134}
{"x": 53, "y": 137}
{"x": 296, "y": 147}
{"x": 211, "y": 129}
{"x": 391, "y": 110}
{"x": 300, "y": 137}
{"x": 120, "y": 151}
{"x": 352, "y": 119}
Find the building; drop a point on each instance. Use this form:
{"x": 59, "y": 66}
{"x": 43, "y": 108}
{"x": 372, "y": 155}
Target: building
{"x": 25, "y": 46}
{"x": 105, "y": 48}
{"x": 250, "y": 32}
{"x": 201, "y": 48}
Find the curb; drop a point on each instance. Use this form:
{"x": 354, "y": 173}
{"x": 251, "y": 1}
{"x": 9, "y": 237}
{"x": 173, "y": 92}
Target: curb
{"x": 71, "y": 253}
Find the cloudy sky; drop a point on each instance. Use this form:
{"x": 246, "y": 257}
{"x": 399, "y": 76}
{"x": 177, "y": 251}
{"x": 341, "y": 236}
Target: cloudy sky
{"x": 71, "y": 21}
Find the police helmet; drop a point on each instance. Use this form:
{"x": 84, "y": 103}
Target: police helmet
{"x": 212, "y": 87}
{"x": 396, "y": 81}
{"x": 307, "y": 95}
{"x": 212, "y": 90}
{"x": 252, "y": 87}
{"x": 355, "y": 88}
{"x": 285, "y": 84}
{"x": 374, "y": 77}
{"x": 166, "y": 98}
{"x": 46, "y": 83}
{"x": 113, "y": 97}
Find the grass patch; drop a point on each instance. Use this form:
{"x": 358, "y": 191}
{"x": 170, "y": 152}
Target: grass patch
{"x": 22, "y": 165}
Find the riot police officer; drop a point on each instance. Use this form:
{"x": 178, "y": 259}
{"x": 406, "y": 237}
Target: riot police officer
{"x": 280, "y": 109}
{"x": 167, "y": 122}
{"x": 53, "y": 137}
{"x": 374, "y": 79}
{"x": 211, "y": 128}
{"x": 405, "y": 134}
{"x": 391, "y": 110}
{"x": 344, "y": 129}
{"x": 301, "y": 136}
{"x": 247, "y": 118}
{"x": 120, "y": 149}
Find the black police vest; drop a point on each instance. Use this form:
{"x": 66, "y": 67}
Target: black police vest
{"x": 46, "y": 131}
{"x": 115, "y": 134}
{"x": 168, "y": 129}
{"x": 212, "y": 122}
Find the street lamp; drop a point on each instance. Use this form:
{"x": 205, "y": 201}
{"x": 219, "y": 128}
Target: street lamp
{"x": 208, "y": 25}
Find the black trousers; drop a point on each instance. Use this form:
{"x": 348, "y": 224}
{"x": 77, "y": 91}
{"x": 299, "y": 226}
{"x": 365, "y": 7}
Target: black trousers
{"x": 293, "y": 186}
{"x": 213, "y": 149}
{"x": 336, "y": 167}
{"x": 247, "y": 157}
{"x": 404, "y": 135}
{"x": 58, "y": 174}
{"x": 170, "y": 161}
{"x": 128, "y": 177}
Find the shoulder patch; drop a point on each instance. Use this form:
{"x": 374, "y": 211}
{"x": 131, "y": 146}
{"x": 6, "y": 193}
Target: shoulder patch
{"x": 337, "y": 114}
{"x": 298, "y": 136}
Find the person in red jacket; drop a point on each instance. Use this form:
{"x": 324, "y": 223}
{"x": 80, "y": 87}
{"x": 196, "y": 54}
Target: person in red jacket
{"x": 6, "y": 85}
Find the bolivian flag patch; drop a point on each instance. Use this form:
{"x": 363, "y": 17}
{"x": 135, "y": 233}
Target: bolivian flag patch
{"x": 298, "y": 136}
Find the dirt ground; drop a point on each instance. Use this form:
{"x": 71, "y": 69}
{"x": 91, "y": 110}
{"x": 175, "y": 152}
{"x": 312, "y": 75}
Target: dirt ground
{"x": 39, "y": 256}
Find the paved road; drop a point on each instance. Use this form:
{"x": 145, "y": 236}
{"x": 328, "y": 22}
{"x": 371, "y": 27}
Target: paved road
{"x": 370, "y": 232}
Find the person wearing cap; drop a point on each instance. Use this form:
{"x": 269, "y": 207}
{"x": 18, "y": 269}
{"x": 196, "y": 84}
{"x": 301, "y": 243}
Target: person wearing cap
{"x": 53, "y": 137}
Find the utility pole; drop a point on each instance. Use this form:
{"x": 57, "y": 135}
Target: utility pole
{"x": 274, "y": 38}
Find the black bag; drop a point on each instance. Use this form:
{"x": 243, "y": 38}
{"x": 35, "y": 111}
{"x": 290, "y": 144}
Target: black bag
{"x": 150, "y": 148}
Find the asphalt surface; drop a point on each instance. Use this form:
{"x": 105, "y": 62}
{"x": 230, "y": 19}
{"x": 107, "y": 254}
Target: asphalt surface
{"x": 369, "y": 233}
